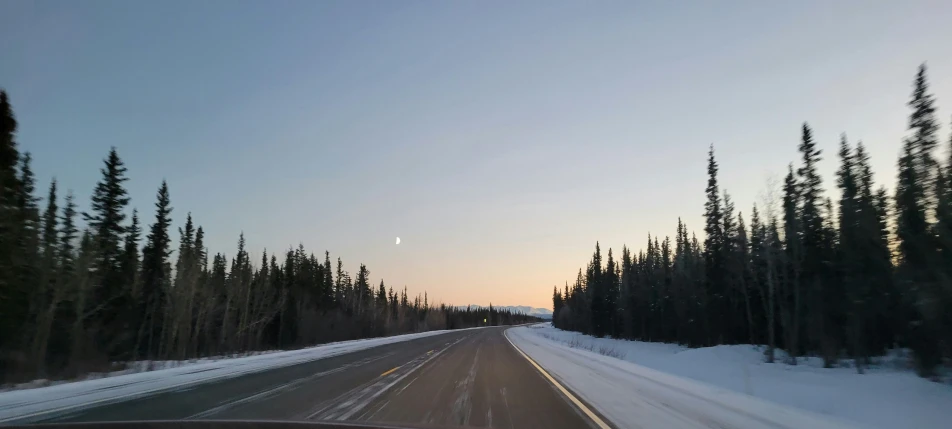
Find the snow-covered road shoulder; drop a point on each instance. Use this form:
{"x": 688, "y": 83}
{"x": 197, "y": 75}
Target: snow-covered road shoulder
{"x": 25, "y": 405}
{"x": 634, "y": 396}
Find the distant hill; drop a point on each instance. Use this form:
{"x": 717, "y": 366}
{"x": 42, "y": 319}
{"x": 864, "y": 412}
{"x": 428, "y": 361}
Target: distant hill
{"x": 542, "y": 313}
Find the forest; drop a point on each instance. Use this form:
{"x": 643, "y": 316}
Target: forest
{"x": 79, "y": 293}
{"x": 845, "y": 279}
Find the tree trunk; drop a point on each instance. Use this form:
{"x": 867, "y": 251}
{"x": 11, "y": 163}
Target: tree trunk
{"x": 42, "y": 339}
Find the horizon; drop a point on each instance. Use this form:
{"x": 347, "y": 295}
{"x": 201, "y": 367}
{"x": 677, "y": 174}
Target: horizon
{"x": 499, "y": 141}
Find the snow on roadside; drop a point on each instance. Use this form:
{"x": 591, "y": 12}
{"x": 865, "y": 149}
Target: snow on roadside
{"x": 24, "y": 405}
{"x": 884, "y": 397}
{"x": 131, "y": 368}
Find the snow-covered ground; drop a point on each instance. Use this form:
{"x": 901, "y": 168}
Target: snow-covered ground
{"x": 638, "y": 384}
{"x": 132, "y": 368}
{"x": 19, "y": 405}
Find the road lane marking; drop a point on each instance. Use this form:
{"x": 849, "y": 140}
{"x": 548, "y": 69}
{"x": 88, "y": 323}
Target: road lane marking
{"x": 272, "y": 391}
{"x": 347, "y": 405}
{"x": 589, "y": 413}
{"x": 367, "y": 401}
{"x": 389, "y": 371}
{"x": 405, "y": 386}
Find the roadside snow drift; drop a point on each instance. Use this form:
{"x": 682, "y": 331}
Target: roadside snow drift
{"x": 649, "y": 385}
{"x": 32, "y": 404}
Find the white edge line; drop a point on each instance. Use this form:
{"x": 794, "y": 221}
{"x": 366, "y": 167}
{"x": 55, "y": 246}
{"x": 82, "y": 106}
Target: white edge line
{"x": 589, "y": 413}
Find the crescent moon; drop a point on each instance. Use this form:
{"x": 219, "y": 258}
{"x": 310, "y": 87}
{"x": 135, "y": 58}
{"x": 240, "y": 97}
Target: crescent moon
{"x": 398, "y": 240}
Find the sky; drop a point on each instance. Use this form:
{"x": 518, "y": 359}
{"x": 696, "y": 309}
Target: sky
{"x": 498, "y": 139}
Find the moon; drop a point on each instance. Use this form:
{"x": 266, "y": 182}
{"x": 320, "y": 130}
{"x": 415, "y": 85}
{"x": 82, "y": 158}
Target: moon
{"x": 398, "y": 240}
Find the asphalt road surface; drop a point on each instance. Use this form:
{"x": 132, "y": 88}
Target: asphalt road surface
{"x": 472, "y": 378}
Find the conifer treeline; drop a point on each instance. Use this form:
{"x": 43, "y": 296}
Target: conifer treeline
{"x": 849, "y": 278}
{"x": 73, "y": 299}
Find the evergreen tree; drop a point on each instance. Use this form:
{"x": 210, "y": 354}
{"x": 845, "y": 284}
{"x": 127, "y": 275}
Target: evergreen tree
{"x": 112, "y": 295}
{"x": 201, "y": 253}
{"x": 130, "y": 255}
{"x": 50, "y": 241}
{"x": 626, "y": 299}
{"x": 731, "y": 274}
{"x": 362, "y": 289}
{"x": 47, "y": 296}
{"x": 67, "y": 236}
{"x": 107, "y": 215}
{"x": 790, "y": 295}
{"x": 665, "y": 306}
{"x": 14, "y": 296}
{"x": 327, "y": 289}
{"x": 380, "y": 302}
{"x": 9, "y": 221}
{"x": 813, "y": 241}
{"x": 596, "y": 289}
{"x": 610, "y": 280}
{"x": 877, "y": 267}
{"x": 9, "y": 158}
{"x": 917, "y": 274}
{"x": 744, "y": 271}
{"x": 820, "y": 285}
{"x": 28, "y": 218}
{"x": 713, "y": 253}
{"x": 924, "y": 137}
{"x": 853, "y": 251}
{"x": 155, "y": 274}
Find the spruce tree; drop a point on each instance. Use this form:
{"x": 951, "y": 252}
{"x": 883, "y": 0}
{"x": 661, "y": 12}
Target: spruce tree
{"x": 917, "y": 273}
{"x": 155, "y": 274}
{"x": 852, "y": 252}
{"x": 9, "y": 155}
{"x": 50, "y": 241}
{"x": 816, "y": 246}
{"x": 47, "y": 295}
{"x": 13, "y": 294}
{"x": 67, "y": 236}
{"x": 731, "y": 274}
{"x": 924, "y": 138}
{"x": 596, "y": 289}
{"x": 28, "y": 238}
{"x": 789, "y": 300}
{"x": 130, "y": 255}
{"x": 943, "y": 235}
{"x": 9, "y": 189}
{"x": 108, "y": 213}
{"x": 626, "y": 299}
{"x": 713, "y": 251}
{"x": 744, "y": 271}
{"x": 665, "y": 306}
{"x": 362, "y": 289}
{"x": 380, "y": 303}
{"x": 327, "y": 287}
{"x": 105, "y": 220}
{"x": 876, "y": 267}
{"x": 610, "y": 280}
{"x": 201, "y": 253}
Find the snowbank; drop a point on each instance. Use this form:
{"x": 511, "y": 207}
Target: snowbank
{"x": 24, "y": 405}
{"x": 884, "y": 397}
{"x": 132, "y": 368}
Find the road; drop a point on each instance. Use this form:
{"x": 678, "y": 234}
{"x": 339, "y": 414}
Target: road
{"x": 472, "y": 378}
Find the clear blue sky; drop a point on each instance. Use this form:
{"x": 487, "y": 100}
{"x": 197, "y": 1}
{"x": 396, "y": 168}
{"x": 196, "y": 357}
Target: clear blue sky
{"x": 498, "y": 139}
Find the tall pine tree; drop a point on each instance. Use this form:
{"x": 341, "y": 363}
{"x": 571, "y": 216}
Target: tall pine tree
{"x": 713, "y": 253}
{"x": 155, "y": 275}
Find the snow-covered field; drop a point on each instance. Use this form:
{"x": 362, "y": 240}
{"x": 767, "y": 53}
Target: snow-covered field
{"x": 17, "y": 405}
{"x": 638, "y": 384}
